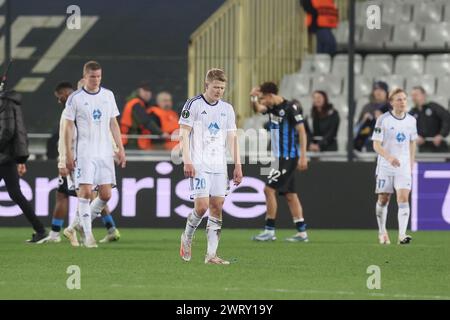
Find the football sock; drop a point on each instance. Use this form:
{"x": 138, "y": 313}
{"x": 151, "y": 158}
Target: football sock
{"x": 403, "y": 218}
{"x": 57, "y": 224}
{"x": 300, "y": 225}
{"x": 85, "y": 215}
{"x": 381, "y": 213}
{"x": 193, "y": 221}
{"x": 270, "y": 225}
{"x": 213, "y": 229}
{"x": 109, "y": 223}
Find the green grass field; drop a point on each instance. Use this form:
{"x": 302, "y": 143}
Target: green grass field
{"x": 145, "y": 264}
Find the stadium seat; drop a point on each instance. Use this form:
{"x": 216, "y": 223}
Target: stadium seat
{"x": 378, "y": 64}
{"x": 306, "y": 102}
{"x": 437, "y": 35}
{"x": 427, "y": 12}
{"x": 342, "y": 132}
{"x": 446, "y": 11}
{"x": 340, "y": 64}
{"x": 316, "y": 64}
{"x": 393, "y": 80}
{"x": 405, "y": 36}
{"x": 361, "y": 10}
{"x": 396, "y": 12}
{"x": 438, "y": 64}
{"x": 443, "y": 86}
{"x": 442, "y": 100}
{"x": 362, "y": 87}
{"x": 407, "y": 64}
{"x": 286, "y": 86}
{"x": 375, "y": 38}
{"x": 341, "y": 34}
{"x": 331, "y": 84}
{"x": 427, "y": 81}
{"x": 300, "y": 85}
{"x": 340, "y": 104}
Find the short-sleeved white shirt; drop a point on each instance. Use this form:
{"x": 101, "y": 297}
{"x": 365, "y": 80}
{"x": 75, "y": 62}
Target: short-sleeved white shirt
{"x": 210, "y": 125}
{"x": 92, "y": 113}
{"x": 395, "y": 135}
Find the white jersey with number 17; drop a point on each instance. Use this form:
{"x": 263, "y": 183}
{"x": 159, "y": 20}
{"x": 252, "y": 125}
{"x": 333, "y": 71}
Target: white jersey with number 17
{"x": 395, "y": 135}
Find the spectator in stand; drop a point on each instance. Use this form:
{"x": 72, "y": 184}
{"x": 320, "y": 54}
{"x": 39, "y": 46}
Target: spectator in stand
{"x": 378, "y": 105}
{"x": 136, "y": 120}
{"x": 166, "y": 119}
{"x": 321, "y": 17}
{"x": 325, "y": 123}
{"x": 433, "y": 122}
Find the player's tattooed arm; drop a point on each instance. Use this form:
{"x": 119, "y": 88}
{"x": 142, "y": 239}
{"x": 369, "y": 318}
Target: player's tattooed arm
{"x": 303, "y": 161}
{"x": 189, "y": 171}
{"x": 68, "y": 140}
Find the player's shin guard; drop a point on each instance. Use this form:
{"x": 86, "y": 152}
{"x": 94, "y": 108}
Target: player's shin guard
{"x": 381, "y": 213}
{"x": 403, "y": 218}
{"x": 84, "y": 213}
{"x": 213, "y": 229}
{"x": 193, "y": 221}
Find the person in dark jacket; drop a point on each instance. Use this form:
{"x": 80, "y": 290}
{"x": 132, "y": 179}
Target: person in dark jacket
{"x": 13, "y": 155}
{"x": 378, "y": 105}
{"x": 325, "y": 123}
{"x": 433, "y": 122}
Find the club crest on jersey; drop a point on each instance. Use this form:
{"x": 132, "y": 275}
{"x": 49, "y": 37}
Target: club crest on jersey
{"x": 96, "y": 114}
{"x": 213, "y": 128}
{"x": 281, "y": 113}
{"x": 400, "y": 137}
{"x": 185, "y": 114}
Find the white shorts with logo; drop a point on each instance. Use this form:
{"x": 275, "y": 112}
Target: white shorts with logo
{"x": 387, "y": 182}
{"x": 95, "y": 171}
{"x": 206, "y": 184}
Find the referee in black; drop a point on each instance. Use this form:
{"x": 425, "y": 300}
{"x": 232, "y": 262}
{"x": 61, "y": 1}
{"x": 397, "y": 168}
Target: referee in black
{"x": 13, "y": 155}
{"x": 288, "y": 140}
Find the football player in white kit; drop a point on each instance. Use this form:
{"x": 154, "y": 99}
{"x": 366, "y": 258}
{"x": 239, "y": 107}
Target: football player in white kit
{"x": 207, "y": 126}
{"x": 93, "y": 111}
{"x": 394, "y": 139}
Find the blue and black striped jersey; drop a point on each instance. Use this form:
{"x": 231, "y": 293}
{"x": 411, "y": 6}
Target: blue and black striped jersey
{"x": 284, "y": 136}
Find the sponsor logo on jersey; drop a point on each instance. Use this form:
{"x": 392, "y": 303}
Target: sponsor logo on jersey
{"x": 299, "y": 117}
{"x": 96, "y": 114}
{"x": 213, "y": 128}
{"x": 377, "y": 130}
{"x": 204, "y": 112}
{"x": 400, "y": 137}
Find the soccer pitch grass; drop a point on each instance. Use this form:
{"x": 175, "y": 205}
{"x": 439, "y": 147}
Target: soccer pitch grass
{"x": 145, "y": 264}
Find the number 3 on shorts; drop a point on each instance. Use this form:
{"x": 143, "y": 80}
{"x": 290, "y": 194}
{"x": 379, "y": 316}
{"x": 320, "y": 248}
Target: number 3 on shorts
{"x": 381, "y": 183}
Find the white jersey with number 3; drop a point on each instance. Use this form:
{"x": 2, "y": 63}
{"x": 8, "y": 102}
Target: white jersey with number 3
{"x": 92, "y": 113}
{"x": 395, "y": 135}
{"x": 210, "y": 124}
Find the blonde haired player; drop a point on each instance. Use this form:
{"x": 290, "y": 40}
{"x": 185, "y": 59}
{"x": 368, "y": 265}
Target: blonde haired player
{"x": 207, "y": 125}
{"x": 394, "y": 139}
{"x": 94, "y": 110}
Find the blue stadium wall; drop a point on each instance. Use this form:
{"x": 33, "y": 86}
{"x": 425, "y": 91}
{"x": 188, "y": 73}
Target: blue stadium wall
{"x": 134, "y": 40}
